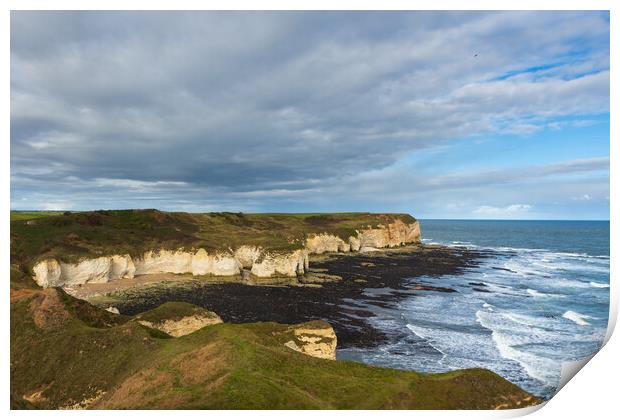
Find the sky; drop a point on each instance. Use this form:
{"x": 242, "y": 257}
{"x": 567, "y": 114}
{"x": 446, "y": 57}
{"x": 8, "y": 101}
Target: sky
{"x": 471, "y": 115}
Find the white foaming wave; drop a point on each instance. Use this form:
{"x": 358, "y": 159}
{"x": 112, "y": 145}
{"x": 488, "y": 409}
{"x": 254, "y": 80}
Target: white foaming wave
{"x": 524, "y": 323}
{"x": 458, "y": 349}
{"x": 459, "y": 244}
{"x": 577, "y": 318}
{"x": 546, "y": 255}
{"x": 567, "y": 266}
{"x": 506, "y": 338}
{"x": 599, "y": 285}
{"x": 529, "y": 265}
{"x": 540, "y": 253}
{"x": 523, "y": 268}
{"x": 500, "y": 289}
{"x": 536, "y": 293}
{"x": 564, "y": 282}
{"x": 564, "y": 262}
{"x": 553, "y": 255}
{"x": 421, "y": 333}
{"x": 425, "y": 309}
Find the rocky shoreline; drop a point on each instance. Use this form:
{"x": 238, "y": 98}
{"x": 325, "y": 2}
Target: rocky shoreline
{"x": 324, "y": 292}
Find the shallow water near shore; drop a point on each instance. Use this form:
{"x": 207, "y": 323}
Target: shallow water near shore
{"x": 540, "y": 298}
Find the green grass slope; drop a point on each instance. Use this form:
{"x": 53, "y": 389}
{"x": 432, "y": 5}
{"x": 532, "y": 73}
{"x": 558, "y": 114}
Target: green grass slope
{"x": 69, "y": 236}
{"x": 29, "y": 215}
{"x": 67, "y": 353}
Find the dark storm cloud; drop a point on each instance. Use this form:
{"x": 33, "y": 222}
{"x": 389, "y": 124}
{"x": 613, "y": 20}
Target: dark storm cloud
{"x": 209, "y": 106}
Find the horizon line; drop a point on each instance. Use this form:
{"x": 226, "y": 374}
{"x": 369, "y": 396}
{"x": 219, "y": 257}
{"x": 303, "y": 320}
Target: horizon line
{"x": 328, "y": 212}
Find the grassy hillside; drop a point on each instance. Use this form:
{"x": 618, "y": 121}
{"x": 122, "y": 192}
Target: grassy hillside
{"x": 67, "y": 353}
{"x": 29, "y": 215}
{"x": 69, "y": 236}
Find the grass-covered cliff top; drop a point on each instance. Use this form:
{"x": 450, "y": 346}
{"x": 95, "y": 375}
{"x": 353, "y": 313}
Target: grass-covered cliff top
{"x": 65, "y": 352}
{"x": 71, "y": 235}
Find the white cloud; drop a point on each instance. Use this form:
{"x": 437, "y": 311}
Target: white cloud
{"x": 57, "y": 205}
{"x": 512, "y": 210}
{"x": 137, "y": 184}
{"x": 584, "y": 197}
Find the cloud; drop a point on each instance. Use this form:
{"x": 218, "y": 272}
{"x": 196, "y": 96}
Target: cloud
{"x": 175, "y": 108}
{"x": 58, "y": 205}
{"x": 584, "y": 197}
{"x": 512, "y": 210}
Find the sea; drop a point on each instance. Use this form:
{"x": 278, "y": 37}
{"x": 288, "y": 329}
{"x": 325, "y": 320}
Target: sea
{"x": 540, "y": 298}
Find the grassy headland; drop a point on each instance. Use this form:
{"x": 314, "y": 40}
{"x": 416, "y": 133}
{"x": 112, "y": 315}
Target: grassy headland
{"x": 67, "y": 353}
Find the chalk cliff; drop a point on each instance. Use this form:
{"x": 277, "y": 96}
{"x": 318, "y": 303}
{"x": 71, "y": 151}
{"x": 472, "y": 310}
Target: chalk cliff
{"x": 393, "y": 234}
{"x": 258, "y": 261}
{"x": 314, "y": 338}
{"x": 184, "y": 325}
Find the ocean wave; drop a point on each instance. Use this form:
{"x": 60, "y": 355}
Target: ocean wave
{"x": 599, "y": 285}
{"x": 567, "y": 283}
{"x": 506, "y": 340}
{"x": 540, "y": 253}
{"x": 535, "y": 266}
{"x": 427, "y": 339}
{"x": 536, "y": 293}
{"x": 577, "y": 318}
{"x": 517, "y": 250}
{"x": 523, "y": 268}
{"x": 520, "y": 326}
{"x": 526, "y": 321}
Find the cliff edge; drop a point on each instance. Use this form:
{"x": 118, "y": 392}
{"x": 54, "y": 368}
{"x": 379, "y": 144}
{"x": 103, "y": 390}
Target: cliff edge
{"x": 99, "y": 247}
{"x": 66, "y": 353}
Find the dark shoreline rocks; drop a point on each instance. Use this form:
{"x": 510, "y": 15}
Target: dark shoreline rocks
{"x": 339, "y": 302}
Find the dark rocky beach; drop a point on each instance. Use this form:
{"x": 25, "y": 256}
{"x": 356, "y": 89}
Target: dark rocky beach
{"x": 333, "y": 290}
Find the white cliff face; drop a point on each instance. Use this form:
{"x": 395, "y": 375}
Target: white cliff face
{"x": 281, "y": 264}
{"x": 393, "y": 234}
{"x": 96, "y": 270}
{"x": 185, "y": 325}
{"x": 202, "y": 263}
{"x": 390, "y": 235}
{"x": 316, "y": 339}
{"x": 324, "y": 242}
{"x": 52, "y": 273}
{"x": 225, "y": 265}
{"x": 155, "y": 262}
{"x": 247, "y": 255}
{"x": 122, "y": 267}
{"x": 47, "y": 273}
{"x": 354, "y": 243}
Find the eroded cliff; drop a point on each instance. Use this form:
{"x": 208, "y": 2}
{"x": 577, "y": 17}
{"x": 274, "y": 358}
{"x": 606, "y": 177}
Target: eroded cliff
{"x": 254, "y": 260}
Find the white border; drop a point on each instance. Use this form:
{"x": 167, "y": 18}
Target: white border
{"x": 593, "y": 394}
